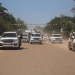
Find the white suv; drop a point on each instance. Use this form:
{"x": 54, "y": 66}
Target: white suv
{"x": 36, "y": 38}
{"x": 55, "y": 38}
{"x": 10, "y": 39}
{"x": 25, "y": 36}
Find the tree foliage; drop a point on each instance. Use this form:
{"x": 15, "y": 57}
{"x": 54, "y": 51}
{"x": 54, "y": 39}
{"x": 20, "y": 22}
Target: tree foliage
{"x": 66, "y": 23}
{"x": 7, "y": 21}
{"x": 21, "y": 24}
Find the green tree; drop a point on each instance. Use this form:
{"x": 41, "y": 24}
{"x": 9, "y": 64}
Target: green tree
{"x": 20, "y": 24}
{"x": 6, "y": 20}
{"x": 47, "y": 28}
{"x": 67, "y": 28}
{"x": 58, "y": 23}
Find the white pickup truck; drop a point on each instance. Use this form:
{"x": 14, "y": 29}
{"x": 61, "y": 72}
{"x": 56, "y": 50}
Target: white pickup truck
{"x": 36, "y": 38}
{"x": 10, "y": 39}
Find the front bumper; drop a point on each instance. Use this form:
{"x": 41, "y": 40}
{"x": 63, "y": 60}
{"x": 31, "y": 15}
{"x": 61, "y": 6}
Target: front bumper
{"x": 15, "y": 44}
{"x": 57, "y": 40}
{"x": 36, "y": 41}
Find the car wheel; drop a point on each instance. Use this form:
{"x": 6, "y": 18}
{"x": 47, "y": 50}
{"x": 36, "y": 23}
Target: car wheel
{"x": 40, "y": 43}
{"x": 18, "y": 46}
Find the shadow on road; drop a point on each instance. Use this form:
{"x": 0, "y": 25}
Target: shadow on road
{"x": 72, "y": 50}
{"x": 37, "y": 44}
{"x": 21, "y": 48}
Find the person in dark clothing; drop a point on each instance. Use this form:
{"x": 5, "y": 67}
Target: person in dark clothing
{"x": 20, "y": 36}
{"x": 71, "y": 35}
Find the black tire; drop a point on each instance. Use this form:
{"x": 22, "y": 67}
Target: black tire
{"x": 40, "y": 43}
{"x": 18, "y": 46}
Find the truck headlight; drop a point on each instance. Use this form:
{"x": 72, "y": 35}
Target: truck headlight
{"x": 15, "y": 40}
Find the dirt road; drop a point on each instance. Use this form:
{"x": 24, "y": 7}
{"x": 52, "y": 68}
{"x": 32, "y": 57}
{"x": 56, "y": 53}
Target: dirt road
{"x": 36, "y": 59}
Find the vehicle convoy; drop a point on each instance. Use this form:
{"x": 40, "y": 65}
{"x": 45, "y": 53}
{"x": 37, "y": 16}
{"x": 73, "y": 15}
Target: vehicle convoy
{"x": 10, "y": 39}
{"x": 55, "y": 38}
{"x": 71, "y": 42}
{"x": 36, "y": 38}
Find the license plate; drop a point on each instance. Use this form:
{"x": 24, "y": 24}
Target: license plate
{"x": 8, "y": 44}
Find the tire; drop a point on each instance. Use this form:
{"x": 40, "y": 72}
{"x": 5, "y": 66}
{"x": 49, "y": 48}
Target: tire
{"x": 18, "y": 46}
{"x": 40, "y": 43}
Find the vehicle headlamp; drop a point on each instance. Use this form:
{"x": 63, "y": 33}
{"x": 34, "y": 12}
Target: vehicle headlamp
{"x": 16, "y": 40}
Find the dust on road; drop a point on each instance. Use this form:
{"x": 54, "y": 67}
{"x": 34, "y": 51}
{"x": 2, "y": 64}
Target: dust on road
{"x": 36, "y": 59}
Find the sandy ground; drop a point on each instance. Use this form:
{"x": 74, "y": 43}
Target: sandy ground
{"x": 38, "y": 59}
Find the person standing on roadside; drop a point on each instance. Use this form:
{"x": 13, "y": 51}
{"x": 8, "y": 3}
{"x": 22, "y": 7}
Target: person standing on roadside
{"x": 71, "y": 36}
{"x": 20, "y": 35}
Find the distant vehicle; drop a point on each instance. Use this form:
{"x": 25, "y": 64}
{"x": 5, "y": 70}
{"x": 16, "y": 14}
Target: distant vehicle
{"x": 71, "y": 43}
{"x": 25, "y": 36}
{"x": 10, "y": 39}
{"x": 55, "y": 38}
{"x": 45, "y": 36}
{"x": 36, "y": 38}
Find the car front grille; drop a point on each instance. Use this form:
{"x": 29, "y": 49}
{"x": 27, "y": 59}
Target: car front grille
{"x": 36, "y": 38}
{"x": 8, "y": 41}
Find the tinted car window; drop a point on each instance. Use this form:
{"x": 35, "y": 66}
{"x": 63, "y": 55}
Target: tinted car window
{"x": 9, "y": 35}
{"x": 56, "y": 35}
{"x": 37, "y": 35}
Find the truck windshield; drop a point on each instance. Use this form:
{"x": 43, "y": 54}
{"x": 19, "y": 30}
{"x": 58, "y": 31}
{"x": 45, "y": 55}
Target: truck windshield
{"x": 37, "y": 35}
{"x": 57, "y": 36}
{"x": 9, "y": 35}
